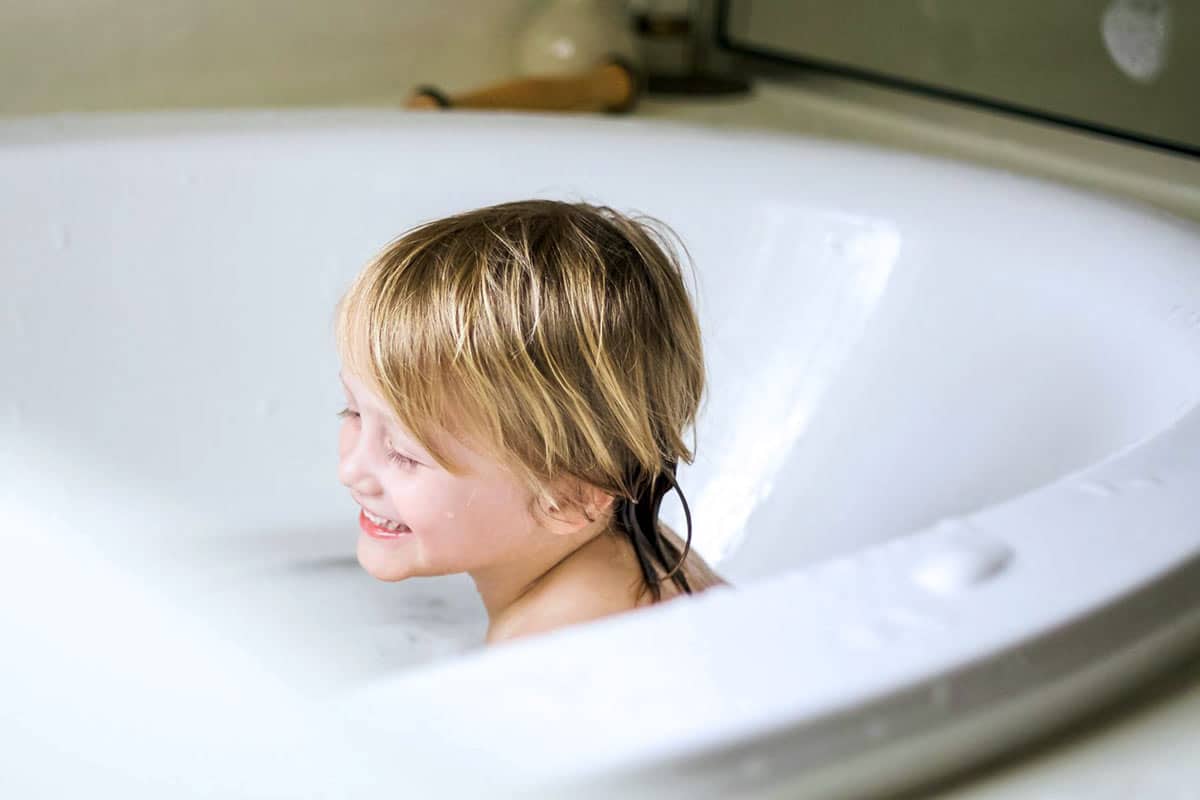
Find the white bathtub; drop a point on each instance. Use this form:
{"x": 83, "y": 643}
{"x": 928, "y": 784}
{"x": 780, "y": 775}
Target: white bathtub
{"x": 950, "y": 459}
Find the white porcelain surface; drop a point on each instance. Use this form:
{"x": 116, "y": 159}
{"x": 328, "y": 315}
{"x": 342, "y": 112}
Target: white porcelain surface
{"x": 951, "y": 413}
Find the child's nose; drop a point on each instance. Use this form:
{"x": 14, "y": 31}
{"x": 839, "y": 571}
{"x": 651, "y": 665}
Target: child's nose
{"x": 355, "y": 474}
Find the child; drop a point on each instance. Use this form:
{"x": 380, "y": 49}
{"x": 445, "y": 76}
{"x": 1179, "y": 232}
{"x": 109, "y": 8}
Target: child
{"x": 518, "y": 378}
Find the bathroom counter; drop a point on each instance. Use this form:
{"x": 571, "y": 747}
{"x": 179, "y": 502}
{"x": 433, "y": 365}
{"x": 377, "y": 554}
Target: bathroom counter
{"x": 838, "y": 108}
{"x": 1144, "y": 745}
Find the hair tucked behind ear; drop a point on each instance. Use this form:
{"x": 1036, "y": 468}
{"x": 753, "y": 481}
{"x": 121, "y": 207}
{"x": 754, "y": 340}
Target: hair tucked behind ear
{"x": 558, "y": 337}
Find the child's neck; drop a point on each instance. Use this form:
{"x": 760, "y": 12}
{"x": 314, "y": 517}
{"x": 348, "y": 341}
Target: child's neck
{"x": 506, "y": 588}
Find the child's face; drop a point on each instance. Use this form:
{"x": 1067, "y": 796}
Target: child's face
{"x": 457, "y": 524}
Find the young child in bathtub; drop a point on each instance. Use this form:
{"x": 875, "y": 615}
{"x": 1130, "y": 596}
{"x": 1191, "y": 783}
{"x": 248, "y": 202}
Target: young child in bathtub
{"x": 518, "y": 379}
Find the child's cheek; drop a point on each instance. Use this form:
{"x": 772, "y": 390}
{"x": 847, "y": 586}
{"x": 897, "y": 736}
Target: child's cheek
{"x": 443, "y": 505}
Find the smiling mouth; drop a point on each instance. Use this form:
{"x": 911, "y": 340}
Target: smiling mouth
{"x": 384, "y": 522}
{"x": 381, "y": 527}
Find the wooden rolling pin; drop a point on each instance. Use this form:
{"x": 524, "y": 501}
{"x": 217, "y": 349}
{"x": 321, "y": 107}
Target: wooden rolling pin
{"x": 613, "y": 86}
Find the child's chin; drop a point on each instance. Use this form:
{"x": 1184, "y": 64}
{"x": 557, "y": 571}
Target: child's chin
{"x": 383, "y": 560}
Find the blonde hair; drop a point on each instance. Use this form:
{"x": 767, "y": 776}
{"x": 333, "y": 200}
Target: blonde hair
{"x": 557, "y": 338}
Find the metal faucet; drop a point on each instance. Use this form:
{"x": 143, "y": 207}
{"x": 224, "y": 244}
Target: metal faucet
{"x": 679, "y": 51}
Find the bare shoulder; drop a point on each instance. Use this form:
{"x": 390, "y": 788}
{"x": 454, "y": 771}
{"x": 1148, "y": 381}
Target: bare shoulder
{"x": 605, "y": 580}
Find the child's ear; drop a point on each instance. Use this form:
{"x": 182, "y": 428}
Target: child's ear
{"x": 597, "y": 501}
{"x": 594, "y": 502}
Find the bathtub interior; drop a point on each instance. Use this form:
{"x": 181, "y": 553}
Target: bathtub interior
{"x": 891, "y": 340}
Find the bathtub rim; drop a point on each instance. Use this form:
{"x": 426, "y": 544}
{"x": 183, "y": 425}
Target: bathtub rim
{"x": 93, "y": 127}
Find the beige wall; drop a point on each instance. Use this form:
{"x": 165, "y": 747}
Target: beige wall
{"x": 63, "y": 55}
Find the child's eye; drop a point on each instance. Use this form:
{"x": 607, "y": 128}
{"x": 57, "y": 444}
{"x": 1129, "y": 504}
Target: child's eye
{"x": 400, "y": 458}
{"x": 345, "y": 413}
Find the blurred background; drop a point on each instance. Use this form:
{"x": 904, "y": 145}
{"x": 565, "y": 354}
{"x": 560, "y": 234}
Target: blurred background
{"x": 1098, "y": 93}
{"x": 139, "y": 54}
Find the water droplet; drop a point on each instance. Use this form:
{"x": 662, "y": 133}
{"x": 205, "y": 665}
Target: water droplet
{"x": 962, "y": 564}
